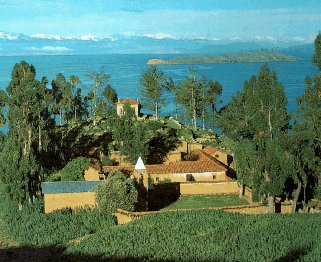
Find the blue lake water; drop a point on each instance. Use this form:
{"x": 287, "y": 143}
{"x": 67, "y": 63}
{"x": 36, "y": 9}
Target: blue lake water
{"x": 125, "y": 72}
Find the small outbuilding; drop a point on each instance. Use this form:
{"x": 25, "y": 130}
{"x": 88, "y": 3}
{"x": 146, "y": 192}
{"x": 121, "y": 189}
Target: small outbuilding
{"x": 134, "y": 104}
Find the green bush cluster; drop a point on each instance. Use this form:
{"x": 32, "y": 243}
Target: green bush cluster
{"x": 208, "y": 236}
{"x": 117, "y": 191}
{"x": 74, "y": 170}
{"x": 32, "y": 227}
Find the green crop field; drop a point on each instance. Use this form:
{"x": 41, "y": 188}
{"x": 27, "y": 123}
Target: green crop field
{"x": 203, "y": 235}
{"x": 206, "y": 236}
{"x": 205, "y": 201}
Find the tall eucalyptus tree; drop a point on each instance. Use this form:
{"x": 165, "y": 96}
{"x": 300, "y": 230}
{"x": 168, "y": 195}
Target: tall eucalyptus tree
{"x": 153, "y": 85}
{"x": 28, "y": 101}
{"x": 259, "y": 115}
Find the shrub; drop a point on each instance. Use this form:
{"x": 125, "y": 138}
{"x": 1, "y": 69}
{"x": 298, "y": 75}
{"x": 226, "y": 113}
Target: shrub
{"x": 117, "y": 191}
{"x": 74, "y": 170}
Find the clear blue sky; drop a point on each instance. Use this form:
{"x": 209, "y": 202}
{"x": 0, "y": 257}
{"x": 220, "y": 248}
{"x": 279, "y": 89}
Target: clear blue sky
{"x": 239, "y": 19}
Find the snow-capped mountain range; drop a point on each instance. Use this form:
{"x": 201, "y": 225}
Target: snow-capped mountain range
{"x": 127, "y": 43}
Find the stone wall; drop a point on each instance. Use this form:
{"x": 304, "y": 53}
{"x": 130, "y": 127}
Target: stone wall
{"x": 71, "y": 200}
{"x": 221, "y": 156}
{"x": 173, "y": 157}
{"x": 124, "y": 217}
{"x": 66, "y": 199}
{"x": 208, "y": 188}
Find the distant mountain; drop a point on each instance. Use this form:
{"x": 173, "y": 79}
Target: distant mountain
{"x": 41, "y": 44}
{"x": 304, "y": 52}
{"x": 249, "y": 57}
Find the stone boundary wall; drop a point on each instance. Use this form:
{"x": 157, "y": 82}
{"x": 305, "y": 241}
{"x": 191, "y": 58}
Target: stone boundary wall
{"x": 58, "y": 195}
{"x": 124, "y": 217}
{"x": 68, "y": 200}
{"x": 209, "y": 188}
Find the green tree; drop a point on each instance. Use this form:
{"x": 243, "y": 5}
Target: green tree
{"x": 189, "y": 94}
{"x": 153, "y": 85}
{"x": 245, "y": 156}
{"x": 172, "y": 88}
{"x": 74, "y": 170}
{"x": 28, "y": 102}
{"x": 98, "y": 79}
{"x": 117, "y": 191}
{"x": 76, "y": 93}
{"x": 307, "y": 136}
{"x": 198, "y": 96}
{"x": 259, "y": 115}
{"x": 18, "y": 171}
{"x": 2, "y": 140}
{"x": 235, "y": 118}
{"x": 110, "y": 94}
{"x": 131, "y": 135}
{"x": 206, "y": 104}
{"x": 80, "y": 106}
{"x": 61, "y": 90}
{"x": 213, "y": 92}
{"x": 316, "y": 59}
{"x": 3, "y": 101}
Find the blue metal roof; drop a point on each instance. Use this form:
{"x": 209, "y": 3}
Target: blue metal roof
{"x": 69, "y": 187}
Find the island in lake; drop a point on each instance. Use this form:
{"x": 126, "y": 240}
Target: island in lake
{"x": 258, "y": 56}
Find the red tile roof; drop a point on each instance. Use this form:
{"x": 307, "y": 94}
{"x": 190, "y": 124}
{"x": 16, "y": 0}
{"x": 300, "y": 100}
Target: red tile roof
{"x": 185, "y": 167}
{"x": 127, "y": 101}
{"x": 205, "y": 163}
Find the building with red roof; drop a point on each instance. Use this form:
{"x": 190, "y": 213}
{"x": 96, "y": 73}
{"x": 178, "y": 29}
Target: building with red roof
{"x": 127, "y": 101}
{"x": 204, "y": 169}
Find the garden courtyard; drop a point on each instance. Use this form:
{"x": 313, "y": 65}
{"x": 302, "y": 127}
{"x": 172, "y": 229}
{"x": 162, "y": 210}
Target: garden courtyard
{"x": 206, "y": 201}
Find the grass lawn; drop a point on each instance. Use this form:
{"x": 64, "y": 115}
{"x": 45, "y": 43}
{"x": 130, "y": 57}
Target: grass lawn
{"x": 204, "y": 201}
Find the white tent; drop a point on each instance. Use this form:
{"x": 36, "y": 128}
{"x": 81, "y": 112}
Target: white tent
{"x": 140, "y": 164}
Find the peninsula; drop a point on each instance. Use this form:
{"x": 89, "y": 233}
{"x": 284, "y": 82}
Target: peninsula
{"x": 252, "y": 57}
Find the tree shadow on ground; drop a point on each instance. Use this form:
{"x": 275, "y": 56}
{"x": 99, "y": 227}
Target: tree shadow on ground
{"x": 55, "y": 253}
{"x": 294, "y": 255}
{"x": 162, "y": 195}
{"x": 160, "y": 145}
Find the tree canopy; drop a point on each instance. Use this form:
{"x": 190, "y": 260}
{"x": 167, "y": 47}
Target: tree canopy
{"x": 74, "y": 170}
{"x": 257, "y": 118}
